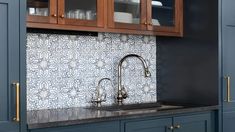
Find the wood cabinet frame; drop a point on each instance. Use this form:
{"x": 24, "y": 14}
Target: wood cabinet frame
{"x": 117, "y": 25}
{"x": 105, "y": 20}
{"x": 176, "y": 30}
{"x": 99, "y": 22}
{"x": 52, "y": 15}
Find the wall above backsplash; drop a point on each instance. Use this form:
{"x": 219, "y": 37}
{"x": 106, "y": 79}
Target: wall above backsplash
{"x": 63, "y": 70}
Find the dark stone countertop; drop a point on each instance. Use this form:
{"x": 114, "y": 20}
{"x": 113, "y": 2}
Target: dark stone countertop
{"x": 74, "y": 116}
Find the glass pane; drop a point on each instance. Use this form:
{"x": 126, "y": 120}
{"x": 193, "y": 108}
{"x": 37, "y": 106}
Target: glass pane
{"x": 81, "y": 9}
{"x": 163, "y": 12}
{"x": 38, "y": 7}
{"x": 127, "y": 11}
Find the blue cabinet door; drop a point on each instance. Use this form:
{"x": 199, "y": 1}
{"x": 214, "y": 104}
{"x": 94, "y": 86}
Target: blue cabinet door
{"x": 194, "y": 123}
{"x": 9, "y": 63}
{"x": 228, "y": 46}
{"x": 228, "y": 121}
{"x": 112, "y": 126}
{"x": 150, "y": 125}
{"x": 228, "y": 53}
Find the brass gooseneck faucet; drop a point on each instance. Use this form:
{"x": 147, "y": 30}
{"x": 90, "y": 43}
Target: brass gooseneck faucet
{"x": 122, "y": 93}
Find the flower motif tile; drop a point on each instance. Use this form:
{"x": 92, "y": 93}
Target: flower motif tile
{"x": 63, "y": 70}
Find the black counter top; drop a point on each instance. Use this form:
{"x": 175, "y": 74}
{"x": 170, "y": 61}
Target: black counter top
{"x": 74, "y": 116}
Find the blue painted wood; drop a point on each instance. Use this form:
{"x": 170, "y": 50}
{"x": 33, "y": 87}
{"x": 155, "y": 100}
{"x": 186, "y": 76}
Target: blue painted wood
{"x": 201, "y": 122}
{"x": 194, "y": 123}
{"x": 228, "y": 12}
{"x": 228, "y": 46}
{"x": 22, "y": 68}
{"x": 9, "y": 68}
{"x": 229, "y": 120}
{"x": 112, "y": 126}
{"x": 152, "y": 125}
{"x": 228, "y": 54}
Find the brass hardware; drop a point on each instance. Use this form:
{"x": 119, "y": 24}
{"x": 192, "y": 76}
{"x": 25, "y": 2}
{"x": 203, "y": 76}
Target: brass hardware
{"x": 177, "y": 127}
{"x": 62, "y": 16}
{"x": 171, "y": 128}
{"x": 145, "y": 23}
{"x": 228, "y": 79}
{"x": 17, "y": 117}
{"x": 54, "y": 15}
{"x": 150, "y": 24}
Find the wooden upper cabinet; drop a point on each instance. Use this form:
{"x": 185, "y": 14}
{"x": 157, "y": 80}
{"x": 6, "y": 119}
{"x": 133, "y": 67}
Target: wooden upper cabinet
{"x": 148, "y": 17}
{"x": 42, "y": 11}
{"x": 81, "y": 12}
{"x": 165, "y": 17}
{"x": 127, "y": 14}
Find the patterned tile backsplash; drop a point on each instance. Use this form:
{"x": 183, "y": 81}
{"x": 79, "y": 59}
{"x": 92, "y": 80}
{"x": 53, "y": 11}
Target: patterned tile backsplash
{"x": 63, "y": 70}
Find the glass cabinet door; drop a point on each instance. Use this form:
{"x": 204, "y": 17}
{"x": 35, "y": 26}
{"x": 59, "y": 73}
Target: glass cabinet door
{"x": 127, "y": 14}
{"x": 43, "y": 11}
{"x": 81, "y": 12}
{"x": 165, "y": 15}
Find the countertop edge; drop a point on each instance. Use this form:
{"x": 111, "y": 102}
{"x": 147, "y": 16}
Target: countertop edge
{"x": 120, "y": 117}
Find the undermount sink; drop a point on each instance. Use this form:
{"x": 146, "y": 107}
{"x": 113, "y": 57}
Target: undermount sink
{"x": 132, "y": 107}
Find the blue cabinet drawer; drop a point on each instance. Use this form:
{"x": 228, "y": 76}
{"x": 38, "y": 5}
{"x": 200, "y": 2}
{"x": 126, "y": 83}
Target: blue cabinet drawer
{"x": 152, "y": 125}
{"x": 94, "y": 127}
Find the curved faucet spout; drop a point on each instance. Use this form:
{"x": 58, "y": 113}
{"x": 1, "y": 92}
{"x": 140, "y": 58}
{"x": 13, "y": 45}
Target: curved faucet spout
{"x": 122, "y": 94}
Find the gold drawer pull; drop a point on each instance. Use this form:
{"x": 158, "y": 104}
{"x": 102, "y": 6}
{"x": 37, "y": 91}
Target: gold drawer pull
{"x": 17, "y": 117}
{"x": 228, "y": 80}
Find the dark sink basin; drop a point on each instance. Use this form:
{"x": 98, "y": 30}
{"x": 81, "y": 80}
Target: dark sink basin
{"x": 156, "y": 106}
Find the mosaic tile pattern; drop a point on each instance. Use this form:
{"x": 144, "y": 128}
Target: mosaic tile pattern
{"x": 63, "y": 70}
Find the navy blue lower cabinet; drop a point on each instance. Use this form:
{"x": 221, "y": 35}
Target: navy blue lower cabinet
{"x": 228, "y": 100}
{"x": 194, "y": 123}
{"x": 229, "y": 121}
{"x": 112, "y": 126}
{"x": 203, "y": 122}
{"x": 151, "y": 125}
{"x": 9, "y": 67}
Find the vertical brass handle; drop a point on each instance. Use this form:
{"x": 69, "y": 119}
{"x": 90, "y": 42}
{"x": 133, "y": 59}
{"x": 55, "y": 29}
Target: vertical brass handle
{"x": 228, "y": 79}
{"x": 17, "y": 116}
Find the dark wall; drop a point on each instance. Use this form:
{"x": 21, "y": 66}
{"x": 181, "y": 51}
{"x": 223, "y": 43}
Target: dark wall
{"x": 188, "y": 66}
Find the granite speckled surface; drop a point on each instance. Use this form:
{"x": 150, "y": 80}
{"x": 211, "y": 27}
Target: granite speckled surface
{"x": 74, "y": 116}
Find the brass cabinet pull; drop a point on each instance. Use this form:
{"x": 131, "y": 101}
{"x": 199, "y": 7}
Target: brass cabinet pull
{"x": 17, "y": 116}
{"x": 171, "y": 128}
{"x": 62, "y": 16}
{"x": 177, "y": 126}
{"x": 145, "y": 23}
{"x": 228, "y": 79}
{"x": 54, "y": 15}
